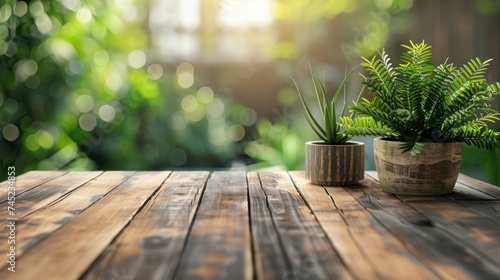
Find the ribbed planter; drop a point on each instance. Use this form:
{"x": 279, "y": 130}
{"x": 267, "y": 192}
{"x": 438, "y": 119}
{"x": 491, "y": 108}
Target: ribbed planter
{"x": 432, "y": 172}
{"x": 335, "y": 165}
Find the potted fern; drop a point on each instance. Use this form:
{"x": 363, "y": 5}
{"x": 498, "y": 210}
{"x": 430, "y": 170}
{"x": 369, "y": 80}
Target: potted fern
{"x": 423, "y": 114}
{"x": 335, "y": 160}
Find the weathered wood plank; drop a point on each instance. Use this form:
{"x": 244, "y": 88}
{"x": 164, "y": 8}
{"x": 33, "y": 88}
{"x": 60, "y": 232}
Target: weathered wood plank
{"x": 336, "y": 227}
{"x": 464, "y": 192}
{"x": 41, "y": 196}
{"x": 371, "y": 238}
{"x": 460, "y": 192}
{"x": 271, "y": 261}
{"x": 150, "y": 247}
{"x": 80, "y": 241}
{"x": 447, "y": 255}
{"x": 474, "y": 201}
{"x": 479, "y": 185}
{"x": 33, "y": 228}
{"x": 218, "y": 246}
{"x": 481, "y": 234}
{"x": 309, "y": 250}
{"x": 489, "y": 210}
{"x": 28, "y": 181}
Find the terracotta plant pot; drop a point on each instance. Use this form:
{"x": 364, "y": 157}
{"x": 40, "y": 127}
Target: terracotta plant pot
{"x": 432, "y": 172}
{"x": 334, "y": 165}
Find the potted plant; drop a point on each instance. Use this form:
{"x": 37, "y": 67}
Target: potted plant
{"x": 423, "y": 114}
{"x": 335, "y": 160}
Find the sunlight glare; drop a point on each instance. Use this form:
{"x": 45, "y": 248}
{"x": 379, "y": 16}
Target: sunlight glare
{"x": 245, "y": 13}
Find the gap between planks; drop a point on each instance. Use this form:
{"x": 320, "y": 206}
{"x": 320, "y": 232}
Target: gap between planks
{"x": 359, "y": 238}
{"x": 150, "y": 246}
{"x": 36, "y": 226}
{"x": 432, "y": 235}
{"x": 27, "y": 181}
{"x": 80, "y": 241}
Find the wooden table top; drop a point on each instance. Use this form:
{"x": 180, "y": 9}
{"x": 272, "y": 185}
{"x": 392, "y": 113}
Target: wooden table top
{"x": 239, "y": 225}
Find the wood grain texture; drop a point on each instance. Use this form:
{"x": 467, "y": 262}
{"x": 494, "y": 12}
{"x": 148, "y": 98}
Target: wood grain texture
{"x": 334, "y": 165}
{"x": 460, "y": 192}
{"x": 309, "y": 250}
{"x": 475, "y": 199}
{"x": 28, "y": 181}
{"x": 33, "y": 228}
{"x": 218, "y": 245}
{"x": 374, "y": 240}
{"x": 480, "y": 185}
{"x": 465, "y": 226}
{"x": 489, "y": 210}
{"x": 149, "y": 248}
{"x": 270, "y": 259}
{"x": 79, "y": 242}
{"x": 445, "y": 254}
{"x": 256, "y": 225}
{"x": 336, "y": 227}
{"x": 41, "y": 196}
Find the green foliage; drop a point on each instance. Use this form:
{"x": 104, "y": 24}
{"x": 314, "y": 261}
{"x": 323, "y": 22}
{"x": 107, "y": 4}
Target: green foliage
{"x": 333, "y": 131}
{"x": 277, "y": 145}
{"x": 77, "y": 92}
{"x": 417, "y": 102}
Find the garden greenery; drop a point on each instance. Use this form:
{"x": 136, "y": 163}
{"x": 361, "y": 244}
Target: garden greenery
{"x": 417, "y": 102}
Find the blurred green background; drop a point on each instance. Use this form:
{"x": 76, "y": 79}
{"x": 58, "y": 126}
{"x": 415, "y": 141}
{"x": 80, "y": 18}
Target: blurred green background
{"x": 204, "y": 84}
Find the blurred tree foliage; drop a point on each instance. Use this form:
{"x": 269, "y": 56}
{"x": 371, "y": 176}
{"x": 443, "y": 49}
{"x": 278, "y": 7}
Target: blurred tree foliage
{"x": 77, "y": 92}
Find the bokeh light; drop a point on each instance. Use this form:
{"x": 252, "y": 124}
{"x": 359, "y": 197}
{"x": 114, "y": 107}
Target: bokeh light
{"x": 20, "y": 8}
{"x": 87, "y": 122}
{"x": 5, "y": 12}
{"x": 84, "y": 103}
{"x": 236, "y": 132}
{"x": 185, "y": 80}
{"x": 189, "y": 103}
{"x": 25, "y": 69}
{"x": 45, "y": 139}
{"x": 31, "y": 142}
{"x": 155, "y": 71}
{"x": 194, "y": 116}
{"x": 72, "y": 5}
{"x": 11, "y": 106}
{"x": 185, "y": 75}
{"x": 137, "y": 59}
{"x": 248, "y": 117}
{"x": 43, "y": 23}
{"x": 107, "y": 113}
{"x": 216, "y": 109}
{"x": 185, "y": 68}
{"x": 84, "y": 15}
{"x": 36, "y": 9}
{"x": 205, "y": 95}
{"x": 10, "y": 132}
{"x": 177, "y": 157}
{"x": 62, "y": 50}
{"x": 217, "y": 136}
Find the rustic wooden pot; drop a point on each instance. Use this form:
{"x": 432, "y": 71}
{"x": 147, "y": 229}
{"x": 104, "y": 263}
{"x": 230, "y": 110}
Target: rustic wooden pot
{"x": 335, "y": 165}
{"x": 432, "y": 172}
